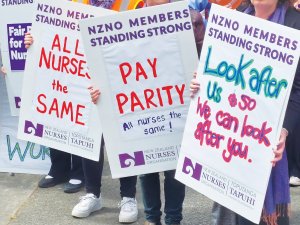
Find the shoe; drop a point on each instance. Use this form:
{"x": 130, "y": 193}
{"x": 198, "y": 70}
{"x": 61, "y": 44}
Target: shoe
{"x": 88, "y": 204}
{"x": 151, "y": 223}
{"x": 129, "y": 211}
{"x": 294, "y": 181}
{"x": 73, "y": 186}
{"x": 48, "y": 181}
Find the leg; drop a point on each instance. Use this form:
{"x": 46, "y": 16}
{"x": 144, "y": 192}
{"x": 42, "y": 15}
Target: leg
{"x": 293, "y": 153}
{"x": 222, "y": 216}
{"x": 93, "y": 173}
{"x": 59, "y": 171}
{"x": 174, "y": 197}
{"x": 128, "y": 186}
{"x": 76, "y": 181}
{"x": 76, "y": 169}
{"x": 129, "y": 211}
{"x": 151, "y": 196}
{"x": 61, "y": 164}
{"x": 91, "y": 202}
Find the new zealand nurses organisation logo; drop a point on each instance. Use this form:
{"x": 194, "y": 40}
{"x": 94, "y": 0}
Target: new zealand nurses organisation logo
{"x": 37, "y": 130}
{"x": 127, "y": 160}
{"x": 192, "y": 169}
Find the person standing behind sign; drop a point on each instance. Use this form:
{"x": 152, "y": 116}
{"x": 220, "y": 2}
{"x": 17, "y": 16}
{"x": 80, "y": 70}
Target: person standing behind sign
{"x": 275, "y": 211}
{"x": 150, "y": 183}
{"x": 92, "y": 201}
{"x": 281, "y": 12}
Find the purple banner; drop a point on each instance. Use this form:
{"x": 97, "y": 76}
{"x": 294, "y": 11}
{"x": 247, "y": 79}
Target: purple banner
{"x": 17, "y": 50}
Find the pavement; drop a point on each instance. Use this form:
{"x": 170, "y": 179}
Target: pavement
{"x": 23, "y": 203}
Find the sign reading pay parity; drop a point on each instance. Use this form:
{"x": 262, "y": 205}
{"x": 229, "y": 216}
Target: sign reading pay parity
{"x": 246, "y": 72}
{"x": 56, "y": 105}
{"x": 142, "y": 61}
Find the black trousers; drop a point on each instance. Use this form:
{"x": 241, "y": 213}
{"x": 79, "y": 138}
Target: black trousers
{"x": 292, "y": 123}
{"x": 93, "y": 174}
{"x": 293, "y": 152}
{"x": 65, "y": 165}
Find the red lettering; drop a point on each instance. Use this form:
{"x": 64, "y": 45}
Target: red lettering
{"x": 203, "y": 132}
{"x": 123, "y": 73}
{"x": 43, "y": 58}
{"x": 54, "y": 107}
{"x": 180, "y": 92}
{"x": 66, "y": 109}
{"x": 65, "y": 46}
{"x": 81, "y": 67}
{"x": 40, "y": 101}
{"x": 153, "y": 66}
{"x": 256, "y": 133}
{"x": 203, "y": 109}
{"x": 140, "y": 72}
{"x": 122, "y": 99}
{"x": 76, "y": 49}
{"x": 226, "y": 120}
{"x": 63, "y": 110}
{"x": 78, "y": 114}
{"x": 148, "y": 98}
{"x": 234, "y": 148}
{"x": 135, "y": 102}
{"x": 56, "y": 43}
{"x": 74, "y": 63}
{"x": 65, "y": 63}
{"x": 248, "y": 103}
{"x": 167, "y": 89}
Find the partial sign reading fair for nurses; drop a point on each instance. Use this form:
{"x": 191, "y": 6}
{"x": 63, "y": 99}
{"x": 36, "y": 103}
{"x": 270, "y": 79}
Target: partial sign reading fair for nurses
{"x": 246, "y": 72}
{"x": 15, "y": 22}
{"x": 57, "y": 110}
{"x": 142, "y": 61}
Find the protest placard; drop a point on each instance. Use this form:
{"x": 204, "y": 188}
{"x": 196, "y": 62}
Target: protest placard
{"x": 15, "y": 22}
{"x": 17, "y": 156}
{"x": 143, "y": 61}
{"x": 246, "y": 72}
{"x": 56, "y": 105}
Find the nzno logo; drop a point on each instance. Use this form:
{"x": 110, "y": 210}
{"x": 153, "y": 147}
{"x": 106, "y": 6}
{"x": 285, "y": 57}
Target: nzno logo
{"x": 35, "y": 130}
{"x": 191, "y": 169}
{"x": 127, "y": 160}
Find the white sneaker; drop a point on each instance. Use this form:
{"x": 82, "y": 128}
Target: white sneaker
{"x": 294, "y": 181}
{"x": 129, "y": 211}
{"x": 88, "y": 204}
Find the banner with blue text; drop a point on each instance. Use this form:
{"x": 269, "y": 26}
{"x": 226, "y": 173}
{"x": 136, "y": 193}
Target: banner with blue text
{"x": 18, "y": 156}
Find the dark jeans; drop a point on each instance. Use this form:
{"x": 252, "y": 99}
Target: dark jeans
{"x": 174, "y": 196}
{"x": 65, "y": 166}
{"x": 293, "y": 152}
{"x": 281, "y": 221}
{"x": 93, "y": 174}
